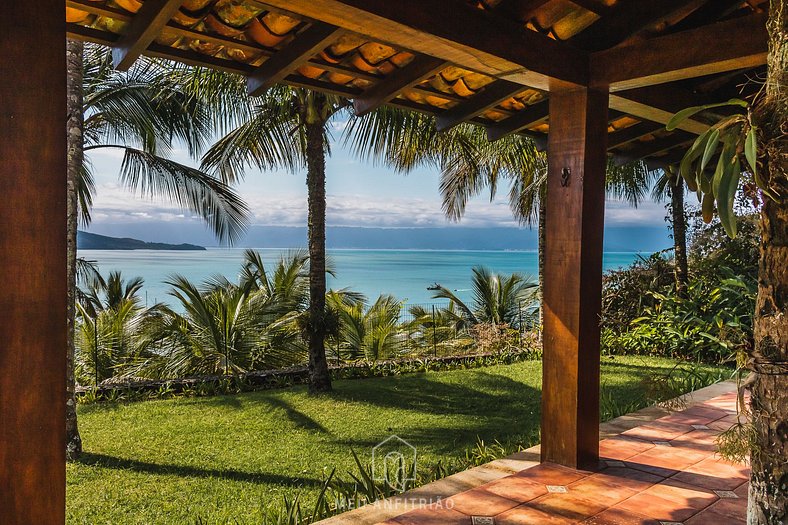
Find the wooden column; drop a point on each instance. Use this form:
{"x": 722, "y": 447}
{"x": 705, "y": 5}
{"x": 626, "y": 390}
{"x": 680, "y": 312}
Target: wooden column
{"x": 573, "y": 276}
{"x": 33, "y": 262}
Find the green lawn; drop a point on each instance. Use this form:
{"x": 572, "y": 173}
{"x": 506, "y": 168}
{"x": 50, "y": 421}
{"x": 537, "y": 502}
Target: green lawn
{"x": 226, "y": 457}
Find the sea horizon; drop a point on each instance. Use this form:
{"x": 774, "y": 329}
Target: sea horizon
{"x": 403, "y": 273}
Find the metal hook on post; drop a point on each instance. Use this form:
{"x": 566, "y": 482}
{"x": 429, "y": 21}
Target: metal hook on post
{"x": 565, "y": 174}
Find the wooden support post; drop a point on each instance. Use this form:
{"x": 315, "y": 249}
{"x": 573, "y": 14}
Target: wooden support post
{"x": 33, "y": 259}
{"x": 573, "y": 276}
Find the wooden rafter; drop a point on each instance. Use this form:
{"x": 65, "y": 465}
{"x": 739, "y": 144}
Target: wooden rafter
{"x": 306, "y": 44}
{"x": 689, "y": 54}
{"x": 626, "y": 20}
{"x": 145, "y": 26}
{"x": 490, "y": 97}
{"x": 422, "y": 67}
{"x": 462, "y": 34}
{"x": 655, "y": 147}
{"x": 526, "y": 118}
{"x": 595, "y": 6}
{"x": 659, "y": 104}
{"x": 521, "y": 9}
{"x": 625, "y": 136}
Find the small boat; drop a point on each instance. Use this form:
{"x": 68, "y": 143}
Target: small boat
{"x": 435, "y": 286}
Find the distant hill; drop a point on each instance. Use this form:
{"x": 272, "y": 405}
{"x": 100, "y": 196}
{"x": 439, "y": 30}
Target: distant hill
{"x": 91, "y": 241}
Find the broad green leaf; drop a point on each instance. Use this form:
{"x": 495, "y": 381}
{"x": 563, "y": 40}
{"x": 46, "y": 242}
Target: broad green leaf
{"x": 684, "y": 114}
{"x": 711, "y": 148}
{"x": 727, "y": 193}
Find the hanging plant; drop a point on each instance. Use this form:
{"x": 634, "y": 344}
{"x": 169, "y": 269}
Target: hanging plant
{"x": 734, "y": 142}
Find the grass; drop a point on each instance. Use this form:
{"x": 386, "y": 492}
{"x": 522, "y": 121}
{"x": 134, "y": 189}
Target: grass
{"x": 229, "y": 457}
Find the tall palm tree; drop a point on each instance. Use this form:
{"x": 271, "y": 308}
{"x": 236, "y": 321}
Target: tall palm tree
{"x": 670, "y": 184}
{"x": 141, "y": 113}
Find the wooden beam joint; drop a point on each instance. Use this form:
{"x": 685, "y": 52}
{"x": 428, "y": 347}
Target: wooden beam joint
{"x": 145, "y": 26}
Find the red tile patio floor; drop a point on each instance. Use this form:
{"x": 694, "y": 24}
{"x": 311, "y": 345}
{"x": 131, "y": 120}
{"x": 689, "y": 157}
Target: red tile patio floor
{"x": 663, "y": 472}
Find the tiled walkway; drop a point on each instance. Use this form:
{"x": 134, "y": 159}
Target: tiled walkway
{"x": 662, "y": 472}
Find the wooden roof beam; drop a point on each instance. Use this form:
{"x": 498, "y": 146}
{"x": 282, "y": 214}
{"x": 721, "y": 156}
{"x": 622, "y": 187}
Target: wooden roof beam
{"x": 306, "y": 45}
{"x": 457, "y": 33}
{"x": 627, "y": 19}
{"x": 659, "y": 104}
{"x": 533, "y": 114}
{"x": 421, "y": 68}
{"x": 689, "y": 54}
{"x": 491, "y": 96}
{"x": 655, "y": 147}
{"x": 145, "y": 26}
{"x": 618, "y": 138}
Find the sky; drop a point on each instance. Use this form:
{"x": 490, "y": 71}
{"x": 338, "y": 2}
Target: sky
{"x": 359, "y": 194}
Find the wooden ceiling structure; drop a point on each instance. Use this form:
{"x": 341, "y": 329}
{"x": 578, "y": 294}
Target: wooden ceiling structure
{"x": 436, "y": 56}
{"x": 587, "y": 79}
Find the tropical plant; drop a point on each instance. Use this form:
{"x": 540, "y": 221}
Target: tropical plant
{"x": 497, "y": 299}
{"x": 110, "y": 318}
{"x": 372, "y": 332}
{"x": 228, "y": 328}
{"x": 140, "y": 113}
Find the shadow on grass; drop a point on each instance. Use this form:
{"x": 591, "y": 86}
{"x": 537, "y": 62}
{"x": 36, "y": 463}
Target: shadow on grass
{"x": 112, "y": 462}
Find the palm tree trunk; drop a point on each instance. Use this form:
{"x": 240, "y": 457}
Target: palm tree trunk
{"x": 679, "y": 234}
{"x": 75, "y": 154}
{"x": 319, "y": 377}
{"x": 768, "y": 498}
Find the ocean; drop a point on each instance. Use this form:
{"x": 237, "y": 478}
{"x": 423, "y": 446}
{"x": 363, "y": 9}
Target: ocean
{"x": 406, "y": 274}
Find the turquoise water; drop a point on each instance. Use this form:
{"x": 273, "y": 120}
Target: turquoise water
{"x": 406, "y": 274}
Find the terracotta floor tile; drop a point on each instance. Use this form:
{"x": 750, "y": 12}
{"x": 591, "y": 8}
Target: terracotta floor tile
{"x": 525, "y": 515}
{"x": 627, "y": 477}
{"x": 686, "y": 419}
{"x": 552, "y": 474}
{"x": 480, "y": 502}
{"x": 663, "y": 461}
{"x": 570, "y": 505}
{"x": 708, "y": 517}
{"x": 735, "y": 509}
{"x": 657, "y": 508}
{"x": 715, "y": 474}
{"x": 619, "y": 517}
{"x": 659, "y": 431}
{"x": 720, "y": 425}
{"x": 622, "y": 447}
{"x": 516, "y": 488}
{"x": 683, "y": 493}
{"x": 599, "y": 490}
{"x": 743, "y": 490}
{"x": 697, "y": 439}
{"x": 432, "y": 517}
{"x": 707, "y": 411}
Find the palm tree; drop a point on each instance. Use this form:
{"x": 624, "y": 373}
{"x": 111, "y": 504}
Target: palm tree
{"x": 366, "y": 332}
{"x": 228, "y": 328}
{"x": 110, "y": 317}
{"x": 497, "y": 299}
{"x": 140, "y": 113}
{"x": 670, "y": 184}
{"x": 286, "y": 128}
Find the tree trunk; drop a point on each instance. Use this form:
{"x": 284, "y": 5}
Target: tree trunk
{"x": 768, "y": 498}
{"x": 679, "y": 221}
{"x": 319, "y": 377}
{"x": 74, "y": 125}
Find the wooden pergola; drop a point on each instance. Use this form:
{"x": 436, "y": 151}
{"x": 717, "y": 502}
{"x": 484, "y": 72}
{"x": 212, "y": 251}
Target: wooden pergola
{"x": 587, "y": 79}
